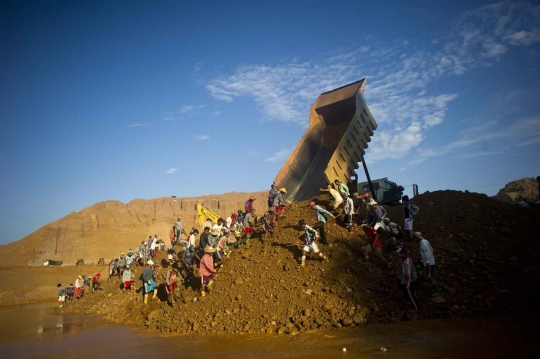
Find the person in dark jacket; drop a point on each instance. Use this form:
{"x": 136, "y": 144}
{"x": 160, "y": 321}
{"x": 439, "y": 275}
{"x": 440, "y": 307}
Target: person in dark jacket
{"x": 148, "y": 280}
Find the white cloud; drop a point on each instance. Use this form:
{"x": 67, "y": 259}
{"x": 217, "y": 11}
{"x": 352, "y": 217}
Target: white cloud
{"x": 477, "y": 154}
{"x": 530, "y": 142}
{"x": 399, "y": 75}
{"x": 202, "y": 137}
{"x": 402, "y": 169}
{"x": 138, "y": 125}
{"x": 281, "y": 155}
{"x": 215, "y": 113}
{"x": 171, "y": 170}
{"x": 187, "y": 108}
{"x": 253, "y": 153}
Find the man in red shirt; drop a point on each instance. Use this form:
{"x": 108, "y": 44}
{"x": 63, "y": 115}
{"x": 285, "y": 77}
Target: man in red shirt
{"x": 374, "y": 244}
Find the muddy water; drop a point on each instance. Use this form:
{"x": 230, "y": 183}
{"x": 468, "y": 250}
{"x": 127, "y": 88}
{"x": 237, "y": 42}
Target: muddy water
{"x": 34, "y": 331}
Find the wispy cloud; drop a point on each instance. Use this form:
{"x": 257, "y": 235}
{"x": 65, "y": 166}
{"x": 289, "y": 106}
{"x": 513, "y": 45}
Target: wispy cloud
{"x": 202, "y": 137}
{"x": 402, "y": 169}
{"x": 138, "y": 125}
{"x": 253, "y": 153}
{"x": 168, "y": 118}
{"x": 171, "y": 170}
{"x": 281, "y": 155}
{"x": 187, "y": 108}
{"x": 530, "y": 142}
{"x": 399, "y": 75}
{"x": 215, "y": 113}
{"x": 477, "y": 154}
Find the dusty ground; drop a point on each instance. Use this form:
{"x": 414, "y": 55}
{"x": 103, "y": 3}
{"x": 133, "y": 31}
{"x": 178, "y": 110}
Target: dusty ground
{"x": 486, "y": 251}
{"x": 23, "y": 285}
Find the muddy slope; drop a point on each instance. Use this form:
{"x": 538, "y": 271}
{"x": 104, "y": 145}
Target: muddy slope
{"x": 486, "y": 251}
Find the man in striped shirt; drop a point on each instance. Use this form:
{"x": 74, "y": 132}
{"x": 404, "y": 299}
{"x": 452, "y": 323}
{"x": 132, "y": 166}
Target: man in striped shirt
{"x": 408, "y": 277}
{"x": 310, "y": 236}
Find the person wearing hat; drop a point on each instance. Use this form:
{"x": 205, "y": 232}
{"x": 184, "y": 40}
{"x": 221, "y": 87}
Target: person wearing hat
{"x": 249, "y": 204}
{"x": 335, "y": 195}
{"x": 213, "y": 241}
{"x": 278, "y": 202}
{"x": 348, "y": 207}
{"x": 206, "y": 270}
{"x": 121, "y": 263}
{"x": 224, "y": 242}
{"x": 271, "y": 194}
{"x": 95, "y": 282}
{"x": 311, "y": 237}
{"x": 149, "y": 281}
{"x": 342, "y": 188}
{"x": 127, "y": 278}
{"x": 378, "y": 213}
{"x": 426, "y": 251}
{"x": 320, "y": 215}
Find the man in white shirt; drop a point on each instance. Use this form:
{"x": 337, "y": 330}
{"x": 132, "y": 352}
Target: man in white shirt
{"x": 349, "y": 211}
{"x": 428, "y": 261}
{"x": 335, "y": 194}
{"x": 208, "y": 223}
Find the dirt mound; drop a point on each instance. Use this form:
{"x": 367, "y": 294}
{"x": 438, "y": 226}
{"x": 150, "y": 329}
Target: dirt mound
{"x": 108, "y": 228}
{"x": 486, "y": 253}
{"x": 525, "y": 188}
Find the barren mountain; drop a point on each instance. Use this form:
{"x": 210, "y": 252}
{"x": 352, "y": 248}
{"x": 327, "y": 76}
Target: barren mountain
{"x": 526, "y": 188}
{"x": 108, "y": 228}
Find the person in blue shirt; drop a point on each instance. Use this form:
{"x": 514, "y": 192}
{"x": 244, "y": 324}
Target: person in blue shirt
{"x": 321, "y": 214}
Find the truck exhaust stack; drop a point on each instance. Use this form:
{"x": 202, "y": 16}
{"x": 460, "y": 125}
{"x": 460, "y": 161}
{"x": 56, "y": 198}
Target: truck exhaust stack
{"x": 340, "y": 127}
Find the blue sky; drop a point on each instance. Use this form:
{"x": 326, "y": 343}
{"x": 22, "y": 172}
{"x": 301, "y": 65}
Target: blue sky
{"x": 103, "y": 100}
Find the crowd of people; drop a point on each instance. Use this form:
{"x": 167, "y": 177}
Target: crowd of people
{"x": 198, "y": 263}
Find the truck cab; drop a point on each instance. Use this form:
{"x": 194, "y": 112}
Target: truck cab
{"x": 386, "y": 192}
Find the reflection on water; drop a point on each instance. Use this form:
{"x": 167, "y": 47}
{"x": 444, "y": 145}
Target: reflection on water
{"x": 34, "y": 331}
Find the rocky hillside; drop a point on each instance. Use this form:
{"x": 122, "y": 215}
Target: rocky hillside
{"x": 486, "y": 253}
{"x": 108, "y": 228}
{"x": 526, "y": 188}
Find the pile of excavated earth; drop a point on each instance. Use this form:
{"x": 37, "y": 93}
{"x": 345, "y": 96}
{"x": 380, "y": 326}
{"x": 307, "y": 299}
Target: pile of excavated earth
{"x": 487, "y": 264}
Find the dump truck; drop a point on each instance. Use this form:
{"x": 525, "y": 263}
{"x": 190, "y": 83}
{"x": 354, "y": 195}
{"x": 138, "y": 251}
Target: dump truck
{"x": 386, "y": 191}
{"x": 340, "y": 128}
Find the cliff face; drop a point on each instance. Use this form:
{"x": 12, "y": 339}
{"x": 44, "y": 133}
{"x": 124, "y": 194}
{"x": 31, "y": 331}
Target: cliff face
{"x": 526, "y": 188}
{"x": 108, "y": 228}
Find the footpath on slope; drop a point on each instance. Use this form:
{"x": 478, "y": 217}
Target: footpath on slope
{"x": 487, "y": 264}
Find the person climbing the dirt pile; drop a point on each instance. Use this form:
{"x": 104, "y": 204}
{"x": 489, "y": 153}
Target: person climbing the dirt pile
{"x": 171, "y": 281}
{"x": 203, "y": 242}
{"x": 396, "y": 233}
{"x": 427, "y": 259}
{"x": 155, "y": 245}
{"x": 363, "y": 203}
{"x": 171, "y": 255}
{"x": 229, "y": 221}
{"x": 61, "y": 295}
{"x": 240, "y": 216}
{"x": 234, "y": 218}
{"x": 70, "y": 292}
{"x": 127, "y": 279}
{"x": 238, "y": 232}
{"x": 130, "y": 258}
{"x": 320, "y": 215}
{"x": 349, "y": 211}
{"x": 149, "y": 246}
{"x": 335, "y": 195}
{"x": 79, "y": 287}
{"x": 213, "y": 241}
{"x": 378, "y": 214}
{"x": 192, "y": 236}
{"x": 249, "y": 205}
{"x": 208, "y": 223}
{"x": 188, "y": 258}
{"x": 408, "y": 277}
{"x": 206, "y": 270}
{"x": 269, "y": 223}
{"x": 149, "y": 281}
{"x": 374, "y": 244}
{"x": 249, "y": 223}
{"x": 311, "y": 237}
{"x": 224, "y": 242}
{"x": 121, "y": 262}
{"x": 342, "y": 188}
{"x": 142, "y": 253}
{"x": 219, "y": 225}
{"x": 172, "y": 235}
{"x": 410, "y": 211}
{"x": 96, "y": 284}
{"x": 178, "y": 229}
{"x": 279, "y": 203}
